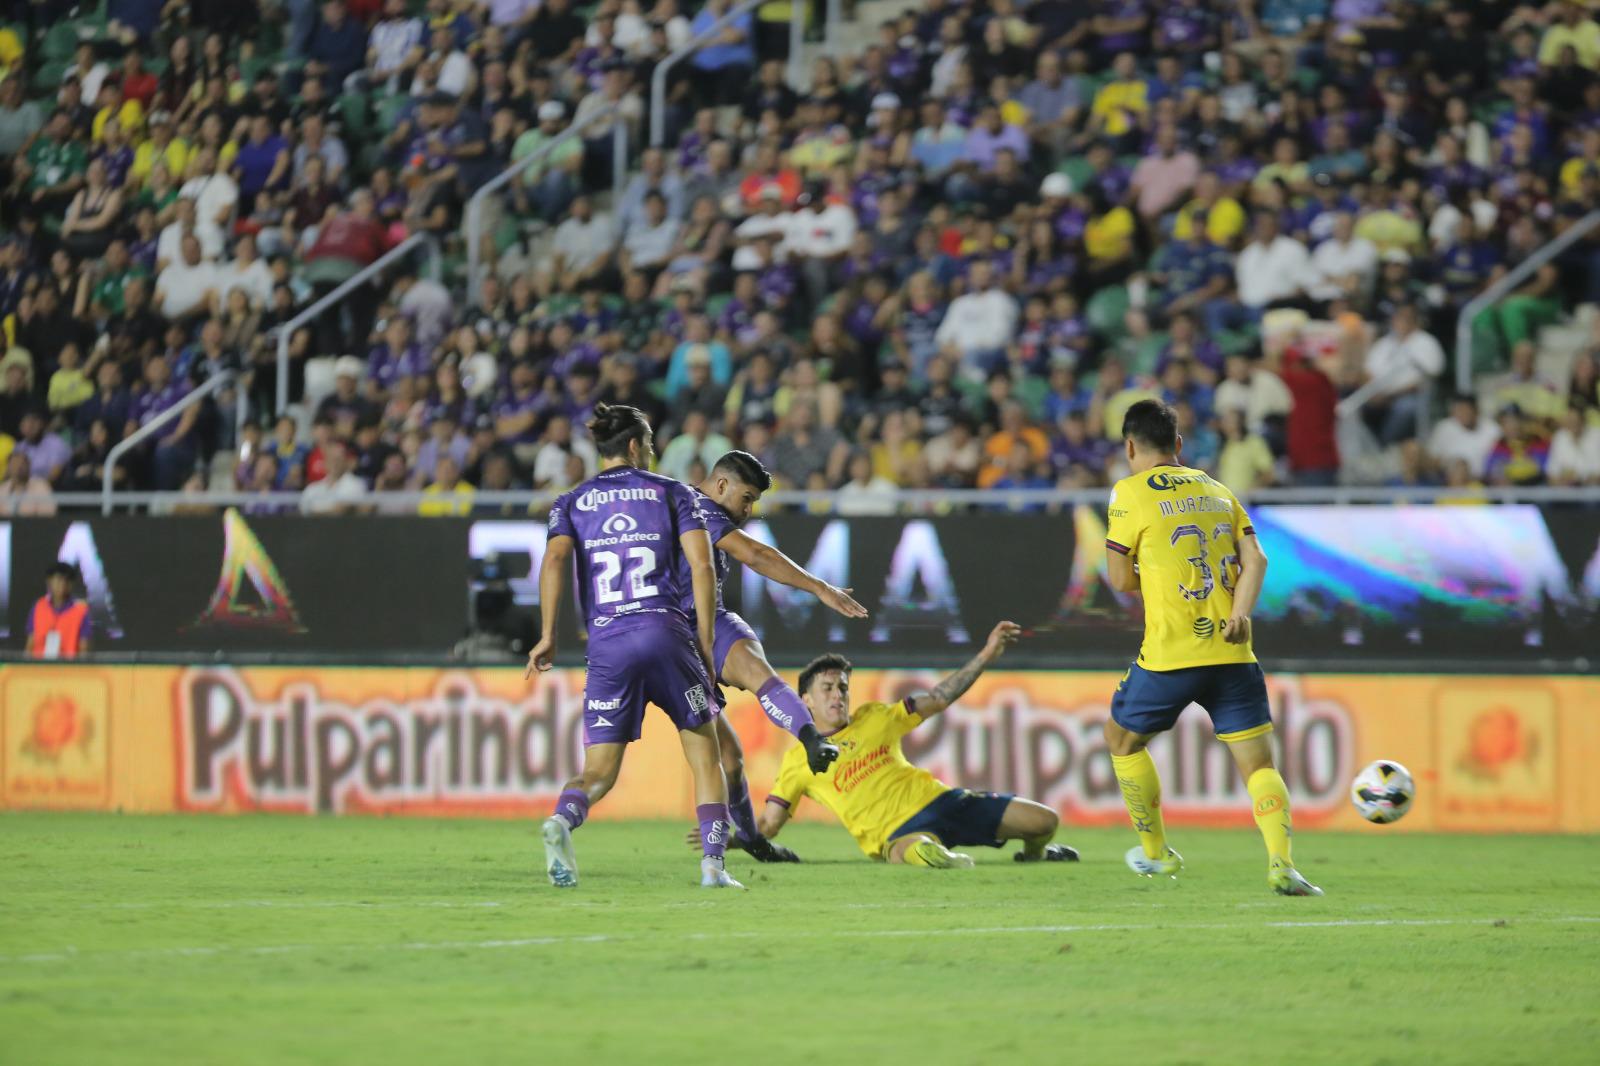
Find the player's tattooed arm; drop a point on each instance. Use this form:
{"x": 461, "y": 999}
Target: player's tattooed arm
{"x": 771, "y": 563}
{"x": 955, "y": 686}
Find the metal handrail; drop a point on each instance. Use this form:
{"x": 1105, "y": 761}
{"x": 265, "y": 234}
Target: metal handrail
{"x": 658, "y": 79}
{"x": 148, "y": 430}
{"x": 906, "y": 501}
{"x": 360, "y": 277}
{"x": 1513, "y": 278}
{"x": 619, "y": 173}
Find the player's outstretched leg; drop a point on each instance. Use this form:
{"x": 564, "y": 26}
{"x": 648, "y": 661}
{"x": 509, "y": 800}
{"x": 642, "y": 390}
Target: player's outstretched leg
{"x": 746, "y": 666}
{"x": 1141, "y": 794}
{"x": 748, "y": 838}
{"x": 1035, "y": 825}
{"x": 1269, "y": 800}
{"x": 601, "y": 762}
{"x": 924, "y": 849}
{"x": 700, "y": 747}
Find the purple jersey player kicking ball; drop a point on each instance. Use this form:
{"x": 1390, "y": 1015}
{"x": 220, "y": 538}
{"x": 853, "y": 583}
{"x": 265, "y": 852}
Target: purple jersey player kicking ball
{"x": 727, "y": 496}
{"x": 647, "y": 590}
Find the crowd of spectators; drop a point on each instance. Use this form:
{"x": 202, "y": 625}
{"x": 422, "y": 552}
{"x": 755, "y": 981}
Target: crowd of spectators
{"x": 952, "y": 258}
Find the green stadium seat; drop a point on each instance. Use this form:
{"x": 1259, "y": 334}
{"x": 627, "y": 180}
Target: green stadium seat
{"x": 1078, "y": 169}
{"x": 1105, "y": 311}
{"x": 353, "y": 115}
{"x": 60, "y": 41}
{"x": 1031, "y": 392}
{"x": 1148, "y": 354}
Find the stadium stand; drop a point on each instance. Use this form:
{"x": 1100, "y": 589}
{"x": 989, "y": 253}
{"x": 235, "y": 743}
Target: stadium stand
{"x": 950, "y": 254}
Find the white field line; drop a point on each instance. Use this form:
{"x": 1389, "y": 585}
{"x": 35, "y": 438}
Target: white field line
{"x": 202, "y": 951}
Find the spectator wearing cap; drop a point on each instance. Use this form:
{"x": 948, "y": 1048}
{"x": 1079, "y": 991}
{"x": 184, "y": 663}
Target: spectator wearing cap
{"x": 548, "y": 187}
{"x": 163, "y": 146}
{"x": 345, "y": 402}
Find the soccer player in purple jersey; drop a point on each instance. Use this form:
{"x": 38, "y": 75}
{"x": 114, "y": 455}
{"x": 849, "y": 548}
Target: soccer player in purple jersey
{"x": 643, "y": 567}
{"x": 726, "y": 498}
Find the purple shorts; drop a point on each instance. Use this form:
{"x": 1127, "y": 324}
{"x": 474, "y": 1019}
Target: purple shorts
{"x": 730, "y": 630}
{"x": 651, "y": 659}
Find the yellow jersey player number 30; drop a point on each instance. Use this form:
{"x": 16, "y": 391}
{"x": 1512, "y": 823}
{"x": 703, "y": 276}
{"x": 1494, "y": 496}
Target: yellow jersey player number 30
{"x": 1180, "y": 539}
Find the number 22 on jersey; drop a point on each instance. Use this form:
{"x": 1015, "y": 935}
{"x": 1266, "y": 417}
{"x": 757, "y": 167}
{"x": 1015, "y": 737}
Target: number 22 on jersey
{"x": 641, "y": 567}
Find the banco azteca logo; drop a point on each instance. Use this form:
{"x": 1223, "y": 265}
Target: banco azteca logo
{"x": 619, "y": 524}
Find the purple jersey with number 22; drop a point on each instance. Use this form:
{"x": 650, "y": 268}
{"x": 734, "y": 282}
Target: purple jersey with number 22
{"x": 633, "y": 584}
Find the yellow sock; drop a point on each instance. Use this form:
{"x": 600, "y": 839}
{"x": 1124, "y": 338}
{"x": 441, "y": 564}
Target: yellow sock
{"x": 913, "y": 857}
{"x": 1269, "y": 798}
{"x": 1141, "y": 793}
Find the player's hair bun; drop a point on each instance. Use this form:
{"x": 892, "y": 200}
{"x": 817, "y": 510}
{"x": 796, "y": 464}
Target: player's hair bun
{"x": 615, "y": 426}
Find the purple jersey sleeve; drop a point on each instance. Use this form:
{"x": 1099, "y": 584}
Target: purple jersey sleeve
{"x": 687, "y": 512}
{"x": 561, "y": 517}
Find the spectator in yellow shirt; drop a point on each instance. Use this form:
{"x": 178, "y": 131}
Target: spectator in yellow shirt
{"x": 1572, "y": 29}
{"x": 448, "y": 495}
{"x": 163, "y": 145}
{"x": 1220, "y": 216}
{"x": 1122, "y": 106}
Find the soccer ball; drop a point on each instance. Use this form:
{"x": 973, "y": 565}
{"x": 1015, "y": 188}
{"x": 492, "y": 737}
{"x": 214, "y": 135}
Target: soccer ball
{"x": 1383, "y": 792}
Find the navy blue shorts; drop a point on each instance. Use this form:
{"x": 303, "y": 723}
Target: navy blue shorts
{"x": 1233, "y": 694}
{"x": 960, "y": 818}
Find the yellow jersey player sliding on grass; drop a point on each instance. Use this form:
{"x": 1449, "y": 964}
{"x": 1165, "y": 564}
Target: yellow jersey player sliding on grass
{"x": 896, "y": 811}
{"x": 1199, "y": 569}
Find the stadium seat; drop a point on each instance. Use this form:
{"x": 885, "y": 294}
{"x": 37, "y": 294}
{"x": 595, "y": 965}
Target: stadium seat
{"x": 1105, "y": 312}
{"x": 319, "y": 380}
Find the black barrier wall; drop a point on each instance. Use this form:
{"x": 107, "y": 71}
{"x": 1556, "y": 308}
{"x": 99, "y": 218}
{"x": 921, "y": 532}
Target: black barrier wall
{"x": 1441, "y": 587}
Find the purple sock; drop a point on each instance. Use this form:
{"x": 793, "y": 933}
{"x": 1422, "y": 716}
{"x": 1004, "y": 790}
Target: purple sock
{"x": 713, "y": 828}
{"x": 572, "y": 807}
{"x": 739, "y": 809}
{"x": 784, "y": 706}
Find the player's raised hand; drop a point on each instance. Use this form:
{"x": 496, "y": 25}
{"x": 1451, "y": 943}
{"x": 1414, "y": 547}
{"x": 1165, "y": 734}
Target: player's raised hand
{"x": 541, "y": 658}
{"x": 841, "y": 601}
{"x": 1001, "y": 637}
{"x": 1237, "y": 630}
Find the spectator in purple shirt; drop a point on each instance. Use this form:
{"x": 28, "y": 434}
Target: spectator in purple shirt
{"x": 47, "y": 453}
{"x": 988, "y": 136}
{"x": 338, "y": 46}
{"x": 173, "y": 457}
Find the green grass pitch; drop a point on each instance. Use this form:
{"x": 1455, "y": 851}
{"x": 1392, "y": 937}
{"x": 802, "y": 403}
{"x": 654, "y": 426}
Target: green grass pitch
{"x": 284, "y": 940}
